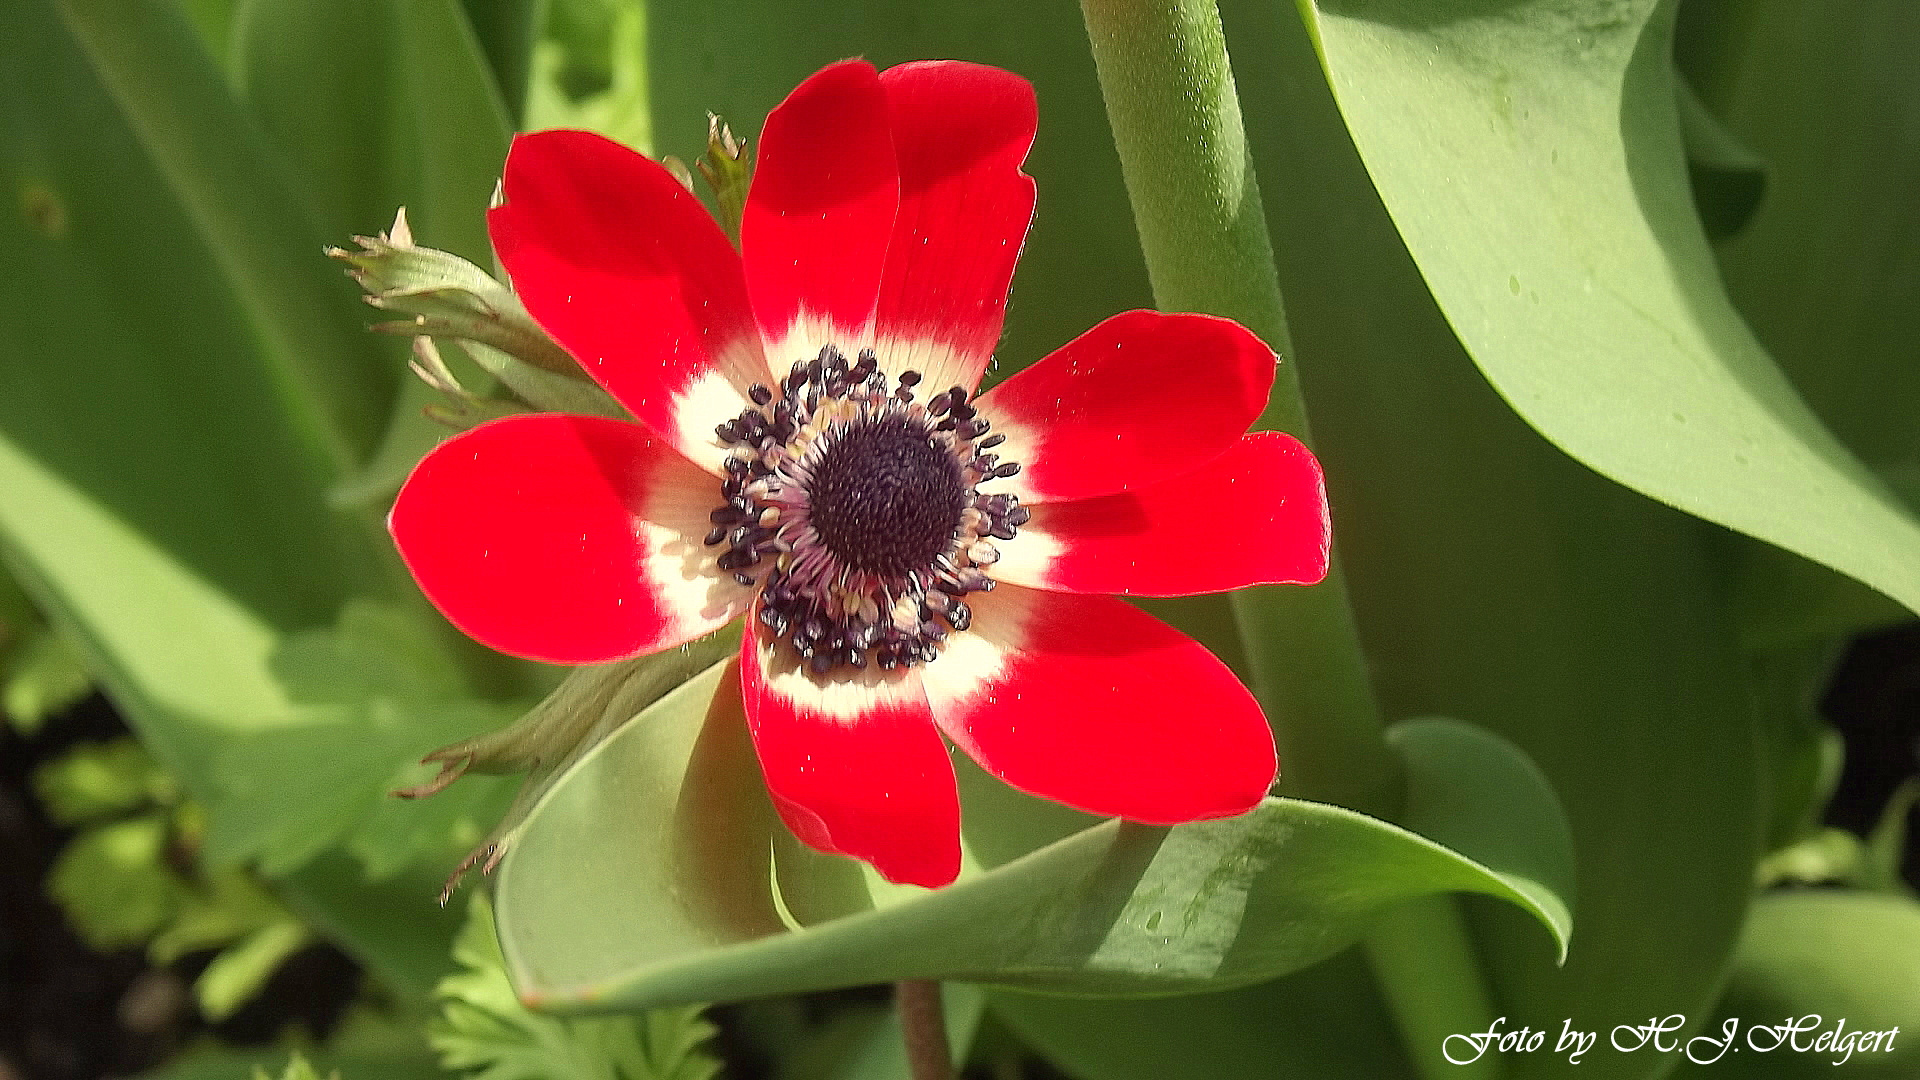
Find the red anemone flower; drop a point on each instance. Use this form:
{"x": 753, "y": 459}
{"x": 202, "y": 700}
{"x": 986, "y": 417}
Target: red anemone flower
{"x": 810, "y": 453}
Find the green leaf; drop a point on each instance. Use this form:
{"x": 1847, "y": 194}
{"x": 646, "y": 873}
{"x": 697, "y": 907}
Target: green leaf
{"x": 114, "y": 883}
{"x": 365, "y": 1046}
{"x": 419, "y": 124}
{"x": 319, "y": 782}
{"x": 95, "y": 780}
{"x": 214, "y": 20}
{"x": 39, "y": 677}
{"x": 372, "y": 651}
{"x": 659, "y": 896}
{"x": 239, "y": 971}
{"x": 581, "y": 33}
{"x": 168, "y": 515}
{"x": 392, "y": 925}
{"x": 298, "y": 1068}
{"x": 1886, "y": 846}
{"x": 222, "y": 907}
{"x": 374, "y": 694}
{"x": 507, "y": 31}
{"x": 1324, "y": 1023}
{"x": 214, "y": 160}
{"x": 1728, "y": 179}
{"x": 1844, "y": 958}
{"x": 486, "y": 1032}
{"x": 1477, "y": 792}
{"x": 1543, "y": 192}
{"x": 1494, "y": 578}
{"x": 1827, "y": 271}
{"x": 571, "y": 89}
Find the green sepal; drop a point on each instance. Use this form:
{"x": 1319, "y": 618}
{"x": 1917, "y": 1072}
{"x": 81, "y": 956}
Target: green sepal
{"x": 591, "y": 703}
{"x": 447, "y": 297}
{"x": 727, "y": 167}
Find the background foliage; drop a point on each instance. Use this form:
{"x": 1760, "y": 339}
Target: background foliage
{"x": 1602, "y": 312}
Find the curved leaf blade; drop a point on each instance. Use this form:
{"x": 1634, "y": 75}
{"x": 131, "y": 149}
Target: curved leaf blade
{"x": 641, "y": 880}
{"x": 1476, "y": 792}
{"x": 1496, "y": 578}
{"x": 1530, "y": 155}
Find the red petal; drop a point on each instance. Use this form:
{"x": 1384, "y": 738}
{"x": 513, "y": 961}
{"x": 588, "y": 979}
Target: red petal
{"x": 1088, "y": 701}
{"x": 854, "y": 763}
{"x": 818, "y": 217}
{"x": 568, "y": 539}
{"x": 1255, "y": 515}
{"x": 628, "y": 271}
{"x": 1138, "y": 399}
{"x": 961, "y": 131}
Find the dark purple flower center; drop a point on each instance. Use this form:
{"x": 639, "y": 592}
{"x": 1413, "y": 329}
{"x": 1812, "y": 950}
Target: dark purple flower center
{"x": 886, "y": 496}
{"x": 855, "y": 507}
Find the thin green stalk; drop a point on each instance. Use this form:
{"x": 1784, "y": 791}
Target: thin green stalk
{"x": 1183, "y": 151}
{"x": 1176, "y": 122}
{"x": 1423, "y": 962}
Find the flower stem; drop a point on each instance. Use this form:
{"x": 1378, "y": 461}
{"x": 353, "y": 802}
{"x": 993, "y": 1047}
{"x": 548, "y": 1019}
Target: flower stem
{"x": 1176, "y": 122}
{"x": 1183, "y": 151}
{"x": 1423, "y": 963}
{"x": 924, "y": 1027}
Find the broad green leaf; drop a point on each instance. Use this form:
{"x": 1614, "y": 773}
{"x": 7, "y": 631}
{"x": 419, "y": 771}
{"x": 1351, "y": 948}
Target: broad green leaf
{"x": 1497, "y": 580}
{"x": 294, "y": 791}
{"x": 486, "y": 1032}
{"x": 658, "y": 895}
{"x": 1829, "y": 271}
{"x": 168, "y": 514}
{"x": 1851, "y": 960}
{"x": 1530, "y": 155}
{"x": 240, "y": 201}
{"x": 1324, "y": 1023}
{"x": 507, "y": 32}
{"x": 214, "y": 20}
{"x": 1826, "y": 273}
{"x": 420, "y": 124}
